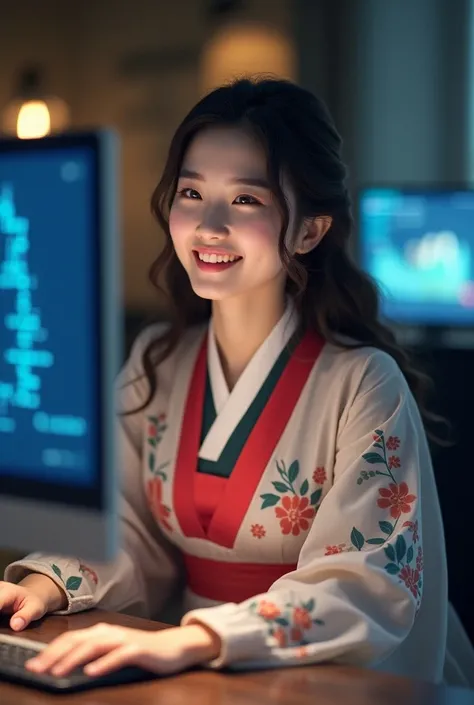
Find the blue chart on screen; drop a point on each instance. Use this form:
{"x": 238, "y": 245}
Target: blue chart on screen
{"x": 47, "y": 310}
{"x": 419, "y": 247}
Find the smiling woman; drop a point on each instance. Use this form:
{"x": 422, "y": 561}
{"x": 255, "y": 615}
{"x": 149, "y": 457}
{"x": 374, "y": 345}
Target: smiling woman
{"x": 226, "y": 208}
{"x": 272, "y": 444}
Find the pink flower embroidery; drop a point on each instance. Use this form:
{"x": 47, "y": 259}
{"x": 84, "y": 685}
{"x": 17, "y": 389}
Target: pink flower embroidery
{"x": 268, "y": 610}
{"x": 393, "y": 443}
{"x": 333, "y": 550}
{"x": 419, "y": 560}
{"x": 410, "y": 577}
{"x": 413, "y": 526}
{"x": 258, "y": 531}
{"x": 155, "y": 494}
{"x": 302, "y": 618}
{"x": 397, "y": 498}
{"x": 280, "y": 637}
{"x": 294, "y": 514}
{"x": 89, "y": 573}
{"x": 319, "y": 476}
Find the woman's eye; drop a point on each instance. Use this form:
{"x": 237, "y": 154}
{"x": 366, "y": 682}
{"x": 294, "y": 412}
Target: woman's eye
{"x": 246, "y": 200}
{"x": 190, "y": 193}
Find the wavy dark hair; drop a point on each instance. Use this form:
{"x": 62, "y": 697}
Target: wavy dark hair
{"x": 332, "y": 295}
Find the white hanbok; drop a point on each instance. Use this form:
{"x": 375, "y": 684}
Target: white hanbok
{"x": 299, "y": 510}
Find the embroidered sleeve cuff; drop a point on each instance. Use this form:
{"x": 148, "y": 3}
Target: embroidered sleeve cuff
{"x": 243, "y": 637}
{"x": 15, "y": 573}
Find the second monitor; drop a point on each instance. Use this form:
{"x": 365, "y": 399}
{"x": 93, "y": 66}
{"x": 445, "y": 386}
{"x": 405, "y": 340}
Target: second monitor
{"x": 59, "y": 344}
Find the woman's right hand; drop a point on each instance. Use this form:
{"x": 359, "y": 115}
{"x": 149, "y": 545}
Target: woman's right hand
{"x": 29, "y": 600}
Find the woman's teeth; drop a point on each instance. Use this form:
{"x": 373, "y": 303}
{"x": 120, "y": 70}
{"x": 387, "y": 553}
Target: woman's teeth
{"x": 214, "y": 259}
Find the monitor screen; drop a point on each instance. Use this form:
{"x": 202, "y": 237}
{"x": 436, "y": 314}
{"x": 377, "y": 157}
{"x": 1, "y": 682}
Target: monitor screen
{"x": 418, "y": 245}
{"x": 51, "y": 323}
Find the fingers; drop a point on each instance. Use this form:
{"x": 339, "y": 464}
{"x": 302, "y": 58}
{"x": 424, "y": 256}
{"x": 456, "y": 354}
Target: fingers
{"x": 118, "y": 658}
{"x": 58, "y": 649}
{"x": 24, "y": 616}
{"x": 73, "y": 649}
{"x": 13, "y": 601}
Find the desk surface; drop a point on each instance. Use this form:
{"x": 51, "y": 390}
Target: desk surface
{"x": 309, "y": 685}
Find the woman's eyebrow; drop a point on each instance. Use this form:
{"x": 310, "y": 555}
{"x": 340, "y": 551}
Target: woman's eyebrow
{"x": 244, "y": 180}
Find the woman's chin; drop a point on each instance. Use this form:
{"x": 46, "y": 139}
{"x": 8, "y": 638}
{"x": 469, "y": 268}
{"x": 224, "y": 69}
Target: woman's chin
{"x": 211, "y": 292}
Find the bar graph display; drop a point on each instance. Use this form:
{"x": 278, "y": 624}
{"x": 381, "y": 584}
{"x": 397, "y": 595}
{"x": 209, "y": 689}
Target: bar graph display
{"x": 419, "y": 248}
{"x": 47, "y": 412}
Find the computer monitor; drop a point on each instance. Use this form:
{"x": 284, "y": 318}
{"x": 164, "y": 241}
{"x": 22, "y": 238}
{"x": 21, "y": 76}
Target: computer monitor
{"x": 59, "y": 344}
{"x": 418, "y": 245}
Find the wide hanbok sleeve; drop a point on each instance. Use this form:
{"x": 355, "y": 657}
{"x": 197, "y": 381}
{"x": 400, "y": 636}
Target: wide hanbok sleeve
{"x": 355, "y": 592}
{"x": 141, "y": 579}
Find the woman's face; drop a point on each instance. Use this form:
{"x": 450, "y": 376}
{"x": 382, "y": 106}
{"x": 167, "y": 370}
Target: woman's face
{"x": 224, "y": 221}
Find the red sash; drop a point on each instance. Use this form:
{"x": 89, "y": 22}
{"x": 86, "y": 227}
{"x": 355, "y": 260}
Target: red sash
{"x": 255, "y": 456}
{"x": 223, "y": 581}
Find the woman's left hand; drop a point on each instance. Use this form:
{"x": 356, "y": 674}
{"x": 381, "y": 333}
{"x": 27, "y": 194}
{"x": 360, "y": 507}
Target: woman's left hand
{"x": 107, "y": 647}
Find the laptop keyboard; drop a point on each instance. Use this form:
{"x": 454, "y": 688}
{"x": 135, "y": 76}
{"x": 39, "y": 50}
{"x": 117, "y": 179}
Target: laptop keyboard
{"x": 15, "y": 651}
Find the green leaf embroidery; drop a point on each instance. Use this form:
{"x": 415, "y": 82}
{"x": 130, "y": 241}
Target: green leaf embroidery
{"x": 269, "y": 500}
{"x": 309, "y": 605}
{"x": 390, "y": 552}
{"x": 315, "y": 497}
{"x": 392, "y": 568}
{"x": 376, "y": 541}
{"x": 319, "y": 622}
{"x": 57, "y": 571}
{"x": 304, "y": 487}
{"x": 280, "y": 487}
{"x": 359, "y": 481}
{"x": 373, "y": 458}
{"x": 152, "y": 442}
{"x": 379, "y": 432}
{"x": 293, "y": 471}
{"x": 357, "y": 539}
{"x": 282, "y": 621}
{"x": 410, "y": 554}
{"x": 386, "y": 527}
{"x": 378, "y": 445}
{"x": 73, "y": 583}
{"x": 151, "y": 461}
{"x": 400, "y": 548}
{"x": 153, "y": 419}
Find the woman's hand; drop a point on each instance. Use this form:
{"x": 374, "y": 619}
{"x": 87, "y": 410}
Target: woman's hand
{"x": 107, "y": 647}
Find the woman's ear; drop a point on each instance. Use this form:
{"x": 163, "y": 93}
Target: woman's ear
{"x": 312, "y": 233}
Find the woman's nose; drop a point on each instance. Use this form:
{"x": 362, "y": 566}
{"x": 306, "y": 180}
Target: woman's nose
{"x": 214, "y": 223}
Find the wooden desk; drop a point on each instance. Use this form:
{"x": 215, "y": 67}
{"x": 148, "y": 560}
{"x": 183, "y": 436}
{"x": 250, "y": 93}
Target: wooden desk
{"x": 310, "y": 685}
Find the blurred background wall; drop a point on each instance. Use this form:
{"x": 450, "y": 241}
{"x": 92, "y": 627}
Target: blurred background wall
{"x": 398, "y": 76}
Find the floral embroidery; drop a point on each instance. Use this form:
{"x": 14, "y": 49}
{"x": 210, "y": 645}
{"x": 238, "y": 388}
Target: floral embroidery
{"x": 294, "y": 512}
{"x": 333, "y": 550}
{"x": 155, "y": 494}
{"x": 89, "y": 573}
{"x": 268, "y": 610}
{"x": 394, "y": 462}
{"x": 258, "y": 531}
{"x": 393, "y": 442}
{"x": 319, "y": 476}
{"x": 419, "y": 560}
{"x": 397, "y": 498}
{"x": 287, "y": 627}
{"x": 411, "y": 578}
{"x": 72, "y": 583}
{"x": 280, "y": 636}
{"x": 413, "y": 526}
{"x": 156, "y": 428}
